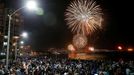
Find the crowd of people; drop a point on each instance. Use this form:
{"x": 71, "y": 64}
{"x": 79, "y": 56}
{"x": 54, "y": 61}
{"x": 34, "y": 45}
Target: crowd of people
{"x": 64, "y": 66}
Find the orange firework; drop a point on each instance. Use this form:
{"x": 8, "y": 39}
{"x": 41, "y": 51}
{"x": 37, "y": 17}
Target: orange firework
{"x": 79, "y": 41}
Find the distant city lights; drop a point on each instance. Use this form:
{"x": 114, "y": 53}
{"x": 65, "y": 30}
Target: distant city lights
{"x": 71, "y": 47}
{"x": 130, "y": 49}
{"x": 21, "y": 47}
{"x": 119, "y": 47}
{"x": 91, "y": 48}
{"x": 5, "y": 43}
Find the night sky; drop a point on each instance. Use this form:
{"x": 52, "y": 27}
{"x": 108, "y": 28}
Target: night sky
{"x": 50, "y": 29}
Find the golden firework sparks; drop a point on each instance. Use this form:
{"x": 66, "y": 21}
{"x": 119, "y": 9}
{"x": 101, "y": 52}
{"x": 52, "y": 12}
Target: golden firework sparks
{"x": 83, "y": 16}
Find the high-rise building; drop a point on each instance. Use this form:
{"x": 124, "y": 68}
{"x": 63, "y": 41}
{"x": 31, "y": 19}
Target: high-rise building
{"x": 2, "y": 23}
{"x": 16, "y": 22}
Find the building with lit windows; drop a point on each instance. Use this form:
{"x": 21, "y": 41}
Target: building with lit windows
{"x": 16, "y": 22}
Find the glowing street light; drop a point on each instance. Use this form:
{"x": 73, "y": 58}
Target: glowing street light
{"x": 29, "y": 4}
{"x": 21, "y": 42}
{"x": 24, "y": 34}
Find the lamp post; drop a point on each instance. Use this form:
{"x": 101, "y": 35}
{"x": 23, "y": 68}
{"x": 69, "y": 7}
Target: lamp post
{"x": 24, "y": 35}
{"x": 31, "y": 4}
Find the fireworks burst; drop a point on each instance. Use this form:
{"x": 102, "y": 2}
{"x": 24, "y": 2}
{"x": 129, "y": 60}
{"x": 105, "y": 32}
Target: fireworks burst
{"x": 83, "y": 16}
{"x": 79, "y": 41}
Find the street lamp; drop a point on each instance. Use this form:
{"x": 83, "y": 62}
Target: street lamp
{"x": 21, "y": 42}
{"x": 24, "y": 35}
{"x": 29, "y": 4}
